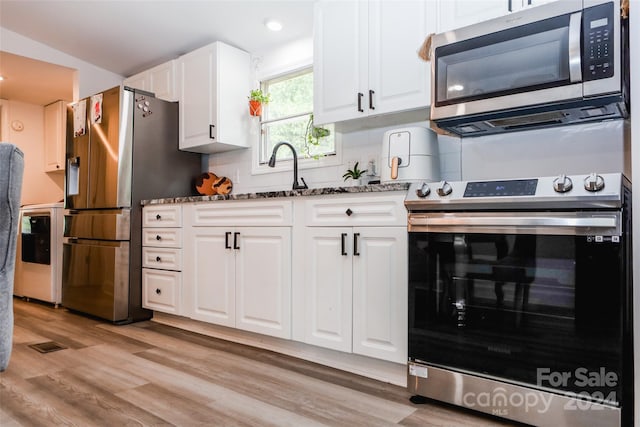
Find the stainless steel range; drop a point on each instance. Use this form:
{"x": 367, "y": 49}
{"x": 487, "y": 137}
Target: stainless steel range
{"x": 520, "y": 298}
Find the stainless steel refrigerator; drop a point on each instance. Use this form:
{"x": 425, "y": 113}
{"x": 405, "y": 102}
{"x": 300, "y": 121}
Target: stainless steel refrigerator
{"x": 122, "y": 147}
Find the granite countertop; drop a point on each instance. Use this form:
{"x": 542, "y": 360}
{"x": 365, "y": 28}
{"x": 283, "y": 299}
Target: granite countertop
{"x": 373, "y": 188}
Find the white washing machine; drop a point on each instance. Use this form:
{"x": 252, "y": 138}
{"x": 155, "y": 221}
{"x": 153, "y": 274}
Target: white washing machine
{"x": 38, "y": 273}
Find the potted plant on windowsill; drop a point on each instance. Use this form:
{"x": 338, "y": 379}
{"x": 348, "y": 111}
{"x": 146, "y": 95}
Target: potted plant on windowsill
{"x": 256, "y": 99}
{"x": 355, "y": 174}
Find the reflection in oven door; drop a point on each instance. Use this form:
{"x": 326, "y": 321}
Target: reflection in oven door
{"x": 96, "y": 277}
{"x": 510, "y": 306}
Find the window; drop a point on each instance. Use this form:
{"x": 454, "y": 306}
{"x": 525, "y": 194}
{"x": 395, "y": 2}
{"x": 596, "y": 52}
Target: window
{"x": 288, "y": 117}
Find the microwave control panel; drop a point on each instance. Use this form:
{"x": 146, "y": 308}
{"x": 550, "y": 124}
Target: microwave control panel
{"x": 597, "y": 45}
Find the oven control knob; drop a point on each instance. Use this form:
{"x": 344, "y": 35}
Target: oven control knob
{"x": 423, "y": 190}
{"x": 593, "y": 182}
{"x": 562, "y": 184}
{"x": 444, "y": 189}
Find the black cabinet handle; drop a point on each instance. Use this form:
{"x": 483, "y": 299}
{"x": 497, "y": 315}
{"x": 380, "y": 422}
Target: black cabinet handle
{"x": 343, "y": 242}
{"x": 236, "y": 244}
{"x": 349, "y": 212}
{"x": 211, "y": 127}
{"x": 158, "y": 259}
{"x": 360, "y": 95}
{"x": 371, "y": 107}
{"x": 158, "y": 237}
{"x": 509, "y": 6}
{"x": 355, "y": 244}
{"x": 158, "y": 291}
{"x": 158, "y": 217}
{"x": 226, "y": 240}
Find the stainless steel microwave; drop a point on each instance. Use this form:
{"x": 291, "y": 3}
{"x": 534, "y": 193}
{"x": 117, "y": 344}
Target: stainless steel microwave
{"x": 560, "y": 63}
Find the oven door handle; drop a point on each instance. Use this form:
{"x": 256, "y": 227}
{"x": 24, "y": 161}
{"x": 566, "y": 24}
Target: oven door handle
{"x": 606, "y": 224}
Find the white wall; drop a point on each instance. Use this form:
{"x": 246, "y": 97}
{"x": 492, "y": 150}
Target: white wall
{"x": 89, "y": 78}
{"x": 37, "y": 185}
{"x": 573, "y": 149}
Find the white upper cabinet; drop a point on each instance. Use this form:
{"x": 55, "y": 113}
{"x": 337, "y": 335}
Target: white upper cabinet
{"x": 160, "y": 80}
{"x": 55, "y": 128}
{"x": 460, "y": 13}
{"x": 213, "y": 85}
{"x": 365, "y": 58}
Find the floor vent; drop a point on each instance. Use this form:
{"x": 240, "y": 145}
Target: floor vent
{"x": 47, "y": 347}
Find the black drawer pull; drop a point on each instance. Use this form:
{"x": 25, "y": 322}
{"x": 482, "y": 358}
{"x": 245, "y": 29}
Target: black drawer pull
{"x": 158, "y": 259}
{"x": 158, "y": 237}
{"x": 158, "y": 217}
{"x": 158, "y": 291}
{"x": 349, "y": 212}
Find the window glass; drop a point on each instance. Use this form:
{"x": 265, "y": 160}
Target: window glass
{"x": 289, "y": 117}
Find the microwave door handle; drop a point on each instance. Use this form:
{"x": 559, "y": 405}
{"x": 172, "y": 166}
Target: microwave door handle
{"x": 575, "y": 62}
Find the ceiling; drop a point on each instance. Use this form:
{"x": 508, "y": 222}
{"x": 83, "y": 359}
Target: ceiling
{"x": 127, "y": 37}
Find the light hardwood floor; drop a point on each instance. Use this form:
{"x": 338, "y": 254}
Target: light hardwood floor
{"x": 156, "y": 375}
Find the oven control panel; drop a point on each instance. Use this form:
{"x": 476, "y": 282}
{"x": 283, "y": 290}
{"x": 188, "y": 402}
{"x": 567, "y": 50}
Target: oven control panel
{"x": 561, "y": 191}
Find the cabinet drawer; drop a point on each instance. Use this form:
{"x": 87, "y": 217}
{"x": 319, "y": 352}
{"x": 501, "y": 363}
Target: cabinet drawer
{"x": 162, "y": 237}
{"x": 162, "y": 216}
{"x": 357, "y": 211}
{"x": 163, "y": 258}
{"x": 161, "y": 290}
{"x": 240, "y": 213}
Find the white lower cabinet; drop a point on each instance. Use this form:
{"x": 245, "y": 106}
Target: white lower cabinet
{"x": 356, "y": 290}
{"x": 355, "y": 277}
{"x": 239, "y": 276}
{"x": 162, "y": 258}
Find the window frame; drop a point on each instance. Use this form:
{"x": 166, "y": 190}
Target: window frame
{"x": 258, "y": 168}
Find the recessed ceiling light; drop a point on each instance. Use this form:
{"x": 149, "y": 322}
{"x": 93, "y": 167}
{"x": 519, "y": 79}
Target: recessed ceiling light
{"x": 273, "y": 25}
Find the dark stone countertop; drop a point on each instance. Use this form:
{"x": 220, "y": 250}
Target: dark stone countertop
{"x": 373, "y": 188}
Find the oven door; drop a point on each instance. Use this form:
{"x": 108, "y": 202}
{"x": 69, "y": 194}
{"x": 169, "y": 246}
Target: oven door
{"x": 521, "y": 297}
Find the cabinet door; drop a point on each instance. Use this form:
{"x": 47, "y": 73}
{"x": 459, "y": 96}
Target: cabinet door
{"x": 380, "y": 293}
{"x": 263, "y": 280}
{"x": 460, "y": 13}
{"x": 55, "y": 119}
{"x": 340, "y": 64}
{"x": 209, "y": 275}
{"x": 138, "y": 81}
{"x": 398, "y": 79}
{"x": 162, "y": 81}
{"x": 328, "y": 298}
{"x": 197, "y": 74}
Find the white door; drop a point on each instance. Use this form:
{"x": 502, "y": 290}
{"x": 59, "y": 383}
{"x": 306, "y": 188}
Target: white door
{"x": 209, "y": 275}
{"x": 380, "y": 293}
{"x": 197, "y": 74}
{"x": 54, "y": 136}
{"x": 399, "y": 79}
{"x": 263, "y": 280}
{"x": 460, "y": 13}
{"x": 340, "y": 65}
{"x": 163, "y": 82}
{"x": 328, "y": 287}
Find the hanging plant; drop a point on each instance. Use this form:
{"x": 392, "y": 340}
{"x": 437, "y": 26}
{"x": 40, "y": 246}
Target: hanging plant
{"x": 313, "y": 135}
{"x": 256, "y": 99}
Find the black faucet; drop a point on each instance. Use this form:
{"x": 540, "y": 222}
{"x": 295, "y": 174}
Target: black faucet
{"x": 272, "y": 163}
